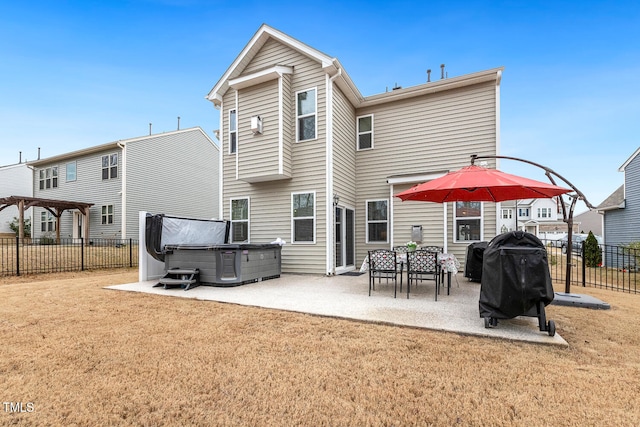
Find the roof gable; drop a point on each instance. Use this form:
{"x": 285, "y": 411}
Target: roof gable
{"x": 629, "y": 160}
{"x": 265, "y": 33}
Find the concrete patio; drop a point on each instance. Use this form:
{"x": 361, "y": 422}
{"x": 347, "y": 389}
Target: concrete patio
{"x": 347, "y": 297}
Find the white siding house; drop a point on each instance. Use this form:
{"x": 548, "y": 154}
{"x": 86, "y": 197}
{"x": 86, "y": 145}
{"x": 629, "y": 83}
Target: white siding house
{"x": 306, "y": 157}
{"x": 16, "y": 180}
{"x": 175, "y": 173}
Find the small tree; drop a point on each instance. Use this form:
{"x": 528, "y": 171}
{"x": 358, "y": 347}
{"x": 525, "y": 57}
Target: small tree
{"x": 592, "y": 251}
{"x": 14, "y": 225}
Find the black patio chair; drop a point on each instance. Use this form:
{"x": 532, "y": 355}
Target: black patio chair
{"x": 383, "y": 264}
{"x": 423, "y": 265}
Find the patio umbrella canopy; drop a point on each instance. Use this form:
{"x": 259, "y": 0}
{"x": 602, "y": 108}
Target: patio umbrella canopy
{"x": 478, "y": 184}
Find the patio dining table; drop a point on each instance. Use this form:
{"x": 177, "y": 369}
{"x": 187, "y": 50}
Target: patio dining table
{"x": 448, "y": 263}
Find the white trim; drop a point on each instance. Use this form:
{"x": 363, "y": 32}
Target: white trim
{"x": 280, "y": 127}
{"x": 455, "y": 218}
{"x": 411, "y": 179}
{"x": 329, "y": 208}
{"x": 260, "y": 77}
{"x": 315, "y": 218}
{"x": 123, "y": 192}
{"x": 314, "y": 114}
{"x": 221, "y": 166}
{"x": 445, "y": 228}
{"x": 229, "y": 131}
{"x": 237, "y": 136}
{"x": 366, "y": 220}
{"x": 248, "y": 220}
{"x": 629, "y": 160}
{"x": 358, "y": 133}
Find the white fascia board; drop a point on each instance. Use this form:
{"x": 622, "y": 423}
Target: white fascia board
{"x": 625, "y": 164}
{"x": 271, "y": 73}
{"x": 411, "y": 179}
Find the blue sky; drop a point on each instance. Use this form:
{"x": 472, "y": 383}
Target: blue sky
{"x": 81, "y": 73}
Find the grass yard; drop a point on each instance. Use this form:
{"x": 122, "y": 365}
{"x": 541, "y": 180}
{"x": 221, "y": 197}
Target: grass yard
{"x": 74, "y": 353}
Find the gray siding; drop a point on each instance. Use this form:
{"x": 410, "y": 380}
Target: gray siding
{"x": 622, "y": 226}
{"x": 429, "y": 133}
{"x": 174, "y": 173}
{"x": 270, "y": 201}
{"x": 89, "y": 187}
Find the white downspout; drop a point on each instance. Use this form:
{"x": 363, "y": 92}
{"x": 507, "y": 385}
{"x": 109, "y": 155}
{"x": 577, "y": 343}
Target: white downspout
{"x": 220, "y": 161}
{"x": 330, "y": 217}
{"x": 123, "y": 193}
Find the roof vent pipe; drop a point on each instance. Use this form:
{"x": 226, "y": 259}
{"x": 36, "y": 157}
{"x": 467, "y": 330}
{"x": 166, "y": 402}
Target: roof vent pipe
{"x": 149, "y": 128}
{"x": 178, "y": 122}
{"x": 20, "y": 157}
{"x": 428, "y": 75}
{"x": 38, "y": 153}
{"x": 442, "y": 71}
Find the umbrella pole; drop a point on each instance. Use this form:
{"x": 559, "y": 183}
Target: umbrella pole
{"x": 568, "y": 218}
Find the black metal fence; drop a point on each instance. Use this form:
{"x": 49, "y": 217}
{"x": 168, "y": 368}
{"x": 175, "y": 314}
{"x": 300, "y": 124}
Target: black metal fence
{"x": 618, "y": 267}
{"x": 48, "y": 255}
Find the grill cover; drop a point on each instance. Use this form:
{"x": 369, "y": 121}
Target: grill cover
{"x": 515, "y": 276}
{"x": 473, "y": 264}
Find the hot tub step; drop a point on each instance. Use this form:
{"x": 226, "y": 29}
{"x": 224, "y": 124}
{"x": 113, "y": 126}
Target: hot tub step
{"x": 187, "y": 278}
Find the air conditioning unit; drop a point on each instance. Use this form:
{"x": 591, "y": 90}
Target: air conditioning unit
{"x": 256, "y": 125}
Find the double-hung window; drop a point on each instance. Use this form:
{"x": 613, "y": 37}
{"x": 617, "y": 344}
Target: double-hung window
{"x": 365, "y": 132}
{"x": 107, "y": 215}
{"x": 48, "y": 178}
{"x": 468, "y": 221}
{"x": 71, "y": 169}
{"x": 110, "y": 166}
{"x": 377, "y": 221}
{"x": 306, "y": 112}
{"x": 303, "y": 217}
{"x": 544, "y": 212}
{"x": 523, "y": 212}
{"x": 507, "y": 213}
{"x": 47, "y": 222}
{"x": 233, "y": 131}
{"x": 239, "y": 220}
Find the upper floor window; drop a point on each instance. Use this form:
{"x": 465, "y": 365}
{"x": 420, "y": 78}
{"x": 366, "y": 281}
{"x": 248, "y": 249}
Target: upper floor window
{"x": 544, "y": 212}
{"x": 107, "y": 215}
{"x": 306, "y": 109}
{"x": 468, "y": 221}
{"x": 233, "y": 131}
{"x": 303, "y": 217}
{"x": 523, "y": 212}
{"x": 48, "y": 178}
{"x": 239, "y": 220}
{"x": 110, "y": 166}
{"x": 507, "y": 213}
{"x": 71, "y": 171}
{"x": 377, "y": 221}
{"x": 365, "y": 132}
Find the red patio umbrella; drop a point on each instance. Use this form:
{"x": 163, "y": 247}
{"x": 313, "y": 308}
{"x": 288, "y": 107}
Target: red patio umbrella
{"x": 478, "y": 184}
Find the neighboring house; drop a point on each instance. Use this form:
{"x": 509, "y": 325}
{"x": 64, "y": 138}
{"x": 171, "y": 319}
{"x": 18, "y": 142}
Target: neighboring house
{"x": 17, "y": 180}
{"x": 590, "y": 220}
{"x": 541, "y": 217}
{"x": 175, "y": 173}
{"x": 621, "y": 210}
{"x": 307, "y": 158}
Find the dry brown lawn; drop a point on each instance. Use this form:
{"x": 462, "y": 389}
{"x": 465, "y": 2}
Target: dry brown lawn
{"x": 74, "y": 353}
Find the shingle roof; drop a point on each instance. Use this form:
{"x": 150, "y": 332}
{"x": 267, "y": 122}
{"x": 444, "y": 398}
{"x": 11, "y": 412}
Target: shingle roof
{"x": 614, "y": 201}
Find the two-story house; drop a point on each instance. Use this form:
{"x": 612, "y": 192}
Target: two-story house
{"x": 621, "y": 210}
{"x": 307, "y": 158}
{"x": 175, "y": 173}
{"x": 17, "y": 180}
{"x": 541, "y": 217}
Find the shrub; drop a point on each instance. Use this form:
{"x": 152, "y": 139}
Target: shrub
{"x": 592, "y": 251}
{"x": 14, "y": 225}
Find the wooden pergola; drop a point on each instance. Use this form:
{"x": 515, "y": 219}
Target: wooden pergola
{"x": 56, "y": 207}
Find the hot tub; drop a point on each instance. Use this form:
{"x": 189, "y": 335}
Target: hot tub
{"x": 202, "y": 245}
{"x": 227, "y": 265}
